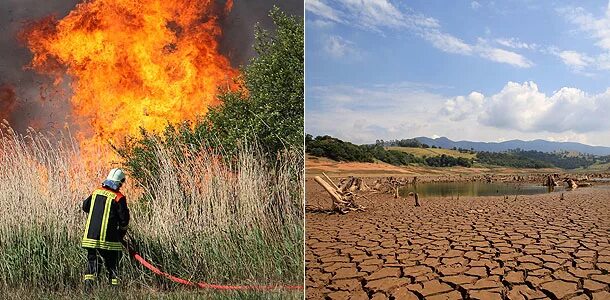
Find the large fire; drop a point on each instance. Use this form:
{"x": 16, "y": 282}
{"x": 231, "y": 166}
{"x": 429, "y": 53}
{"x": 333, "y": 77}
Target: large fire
{"x": 134, "y": 63}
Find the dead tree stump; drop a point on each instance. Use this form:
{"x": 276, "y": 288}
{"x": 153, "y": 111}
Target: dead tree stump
{"x": 344, "y": 201}
{"x": 571, "y": 183}
{"x": 550, "y": 181}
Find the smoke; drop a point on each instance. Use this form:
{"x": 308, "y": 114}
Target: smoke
{"x": 7, "y": 101}
{"x": 32, "y": 98}
{"x": 28, "y": 99}
{"x": 238, "y": 27}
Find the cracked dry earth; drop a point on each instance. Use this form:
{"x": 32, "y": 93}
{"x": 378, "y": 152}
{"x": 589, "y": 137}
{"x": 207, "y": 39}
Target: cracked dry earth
{"x": 535, "y": 247}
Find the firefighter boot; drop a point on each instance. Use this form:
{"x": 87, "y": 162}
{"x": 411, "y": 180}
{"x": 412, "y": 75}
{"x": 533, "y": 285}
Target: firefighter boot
{"x": 89, "y": 282}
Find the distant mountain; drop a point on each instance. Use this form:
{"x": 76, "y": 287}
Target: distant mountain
{"x": 538, "y": 145}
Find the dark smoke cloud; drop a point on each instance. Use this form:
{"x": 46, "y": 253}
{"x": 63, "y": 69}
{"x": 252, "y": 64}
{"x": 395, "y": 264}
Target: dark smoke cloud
{"x": 37, "y": 103}
{"x": 238, "y": 28}
{"x": 7, "y": 101}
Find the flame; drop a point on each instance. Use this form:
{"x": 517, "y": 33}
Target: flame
{"x": 133, "y": 63}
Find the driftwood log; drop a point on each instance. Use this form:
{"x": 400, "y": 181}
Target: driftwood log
{"x": 344, "y": 200}
{"x": 571, "y": 183}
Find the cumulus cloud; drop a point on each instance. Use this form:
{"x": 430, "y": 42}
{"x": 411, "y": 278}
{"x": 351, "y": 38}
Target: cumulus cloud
{"x": 460, "y": 107}
{"x": 516, "y": 106}
{"x": 523, "y": 107}
{"x": 380, "y": 15}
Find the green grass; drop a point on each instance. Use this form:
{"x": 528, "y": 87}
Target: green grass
{"x": 430, "y": 152}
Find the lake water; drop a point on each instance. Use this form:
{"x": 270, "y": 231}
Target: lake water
{"x": 600, "y": 179}
{"x": 448, "y": 189}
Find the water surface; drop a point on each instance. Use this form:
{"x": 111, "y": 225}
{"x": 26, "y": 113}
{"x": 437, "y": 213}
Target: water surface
{"x": 448, "y": 189}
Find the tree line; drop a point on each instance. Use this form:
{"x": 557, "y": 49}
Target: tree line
{"x": 336, "y": 149}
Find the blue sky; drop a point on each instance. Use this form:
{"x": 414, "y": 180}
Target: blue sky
{"x": 475, "y": 70}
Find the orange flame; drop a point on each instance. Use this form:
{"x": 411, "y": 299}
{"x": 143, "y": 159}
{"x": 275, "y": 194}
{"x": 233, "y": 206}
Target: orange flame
{"x": 134, "y": 63}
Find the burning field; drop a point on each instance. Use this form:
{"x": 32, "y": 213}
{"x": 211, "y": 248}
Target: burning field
{"x": 140, "y": 85}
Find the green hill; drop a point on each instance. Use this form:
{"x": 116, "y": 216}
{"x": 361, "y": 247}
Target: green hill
{"x": 431, "y": 152}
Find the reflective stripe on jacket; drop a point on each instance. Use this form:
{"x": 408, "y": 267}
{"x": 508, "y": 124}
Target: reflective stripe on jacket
{"x": 108, "y": 216}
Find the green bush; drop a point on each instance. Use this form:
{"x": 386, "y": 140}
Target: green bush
{"x": 448, "y": 161}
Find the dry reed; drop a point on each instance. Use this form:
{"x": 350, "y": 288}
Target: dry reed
{"x": 203, "y": 218}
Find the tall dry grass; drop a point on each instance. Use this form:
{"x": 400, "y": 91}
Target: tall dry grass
{"x": 204, "y": 217}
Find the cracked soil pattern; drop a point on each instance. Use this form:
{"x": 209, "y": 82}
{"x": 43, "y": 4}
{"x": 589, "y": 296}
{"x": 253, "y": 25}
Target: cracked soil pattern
{"x": 534, "y": 247}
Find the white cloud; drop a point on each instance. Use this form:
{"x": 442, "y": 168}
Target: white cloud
{"x": 460, "y": 107}
{"x": 517, "y": 106}
{"x": 574, "y": 59}
{"x": 338, "y": 47}
{"x": 319, "y": 23}
{"x": 597, "y": 28}
{"x": 505, "y": 56}
{"x": 516, "y": 44}
{"x": 446, "y": 42}
{"x": 321, "y": 9}
{"x": 475, "y": 5}
{"x": 380, "y": 15}
{"x": 523, "y": 107}
{"x": 581, "y": 63}
{"x": 374, "y": 13}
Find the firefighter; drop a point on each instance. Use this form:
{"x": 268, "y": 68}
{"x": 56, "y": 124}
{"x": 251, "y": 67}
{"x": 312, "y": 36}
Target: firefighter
{"x": 107, "y": 220}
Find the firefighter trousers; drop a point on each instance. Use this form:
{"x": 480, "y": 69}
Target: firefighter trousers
{"x": 111, "y": 260}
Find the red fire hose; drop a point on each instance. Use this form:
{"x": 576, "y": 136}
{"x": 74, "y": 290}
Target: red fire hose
{"x": 204, "y": 285}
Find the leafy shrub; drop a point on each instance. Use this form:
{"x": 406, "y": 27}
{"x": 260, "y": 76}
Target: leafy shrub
{"x": 448, "y": 161}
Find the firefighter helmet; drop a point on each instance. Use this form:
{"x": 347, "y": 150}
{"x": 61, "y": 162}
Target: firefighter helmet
{"x": 116, "y": 175}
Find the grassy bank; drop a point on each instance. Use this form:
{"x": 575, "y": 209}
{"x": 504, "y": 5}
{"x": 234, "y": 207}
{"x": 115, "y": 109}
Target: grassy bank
{"x": 203, "y": 219}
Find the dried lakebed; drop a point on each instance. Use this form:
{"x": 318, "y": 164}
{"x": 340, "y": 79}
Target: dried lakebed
{"x": 534, "y": 247}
